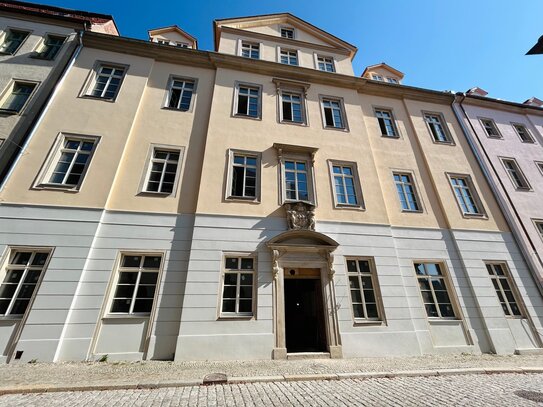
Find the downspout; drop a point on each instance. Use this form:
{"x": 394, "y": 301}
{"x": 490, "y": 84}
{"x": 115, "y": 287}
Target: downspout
{"x": 44, "y": 109}
{"x": 532, "y": 264}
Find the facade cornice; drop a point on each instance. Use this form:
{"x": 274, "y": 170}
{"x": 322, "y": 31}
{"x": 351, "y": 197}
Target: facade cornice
{"x": 504, "y": 105}
{"x": 69, "y": 22}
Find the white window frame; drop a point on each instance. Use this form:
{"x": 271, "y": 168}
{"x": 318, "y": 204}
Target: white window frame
{"x": 115, "y": 281}
{"x": 472, "y": 191}
{"x": 377, "y": 77}
{"x": 289, "y": 51}
{"x": 235, "y": 105}
{"x": 238, "y": 271}
{"x": 228, "y": 193}
{"x": 492, "y": 125}
{"x": 325, "y": 57}
{"x": 300, "y": 157}
{"x": 292, "y": 29}
{"x": 300, "y": 93}
{"x": 412, "y": 182}
{"x": 376, "y": 110}
{"x": 93, "y": 75}
{"x": 5, "y": 34}
{"x": 498, "y": 287}
{"x": 326, "y": 98}
{"x": 53, "y": 157}
{"x": 449, "y": 288}
{"x": 42, "y": 45}
{"x": 9, "y": 255}
{"x": 375, "y": 287}
{"x": 522, "y": 183}
{"x": 390, "y": 79}
{"x": 252, "y": 44}
{"x": 525, "y": 130}
{"x": 170, "y": 87}
{"x": 150, "y": 159}
{"x": 441, "y": 121}
{"x": 356, "y": 183}
{"x": 8, "y": 91}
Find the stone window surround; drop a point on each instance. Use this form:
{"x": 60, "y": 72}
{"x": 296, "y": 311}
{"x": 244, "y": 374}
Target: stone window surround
{"x": 512, "y": 286}
{"x": 499, "y": 136}
{"x": 528, "y": 132}
{"x": 239, "y": 47}
{"x": 235, "y": 100}
{"x": 345, "y": 127}
{"x": 37, "y": 54}
{"x": 316, "y": 57}
{"x": 4, "y": 33}
{"x": 91, "y": 78}
{"x": 519, "y": 171}
{"x": 166, "y": 99}
{"x": 228, "y": 184}
{"x": 393, "y": 118}
{"x": 142, "y": 188}
{"x": 293, "y": 87}
{"x": 444, "y": 126}
{"x": 9, "y": 88}
{"x": 357, "y": 185}
{"x": 474, "y": 193}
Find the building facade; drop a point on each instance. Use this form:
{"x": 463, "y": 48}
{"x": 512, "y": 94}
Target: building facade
{"x": 253, "y": 203}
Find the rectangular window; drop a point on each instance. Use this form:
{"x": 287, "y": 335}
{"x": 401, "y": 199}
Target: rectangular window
{"x": 502, "y": 284}
{"x": 386, "y": 123}
{"x": 180, "y": 94}
{"x": 162, "y": 172}
{"x": 15, "y": 99}
{"x": 289, "y": 57}
{"x": 333, "y": 113}
{"x": 181, "y": 44}
{"x": 406, "y": 192}
{"x": 107, "y": 82}
{"x": 523, "y": 133}
{"x": 539, "y": 165}
{"x": 515, "y": 173}
{"x": 72, "y": 161}
{"x": 136, "y": 284}
{"x": 245, "y": 170}
{"x": 250, "y": 50}
{"x": 23, "y": 273}
{"x": 292, "y": 107}
{"x": 296, "y": 180}
{"x": 248, "y": 101}
{"x": 433, "y": 289}
{"x": 238, "y": 286}
{"x": 287, "y": 33}
{"x": 346, "y": 185}
{"x": 362, "y": 285}
{"x": 325, "y": 64}
{"x": 464, "y": 196}
{"x": 437, "y": 128}
{"x": 50, "y": 47}
{"x": 539, "y": 227}
{"x": 13, "y": 39}
{"x": 490, "y": 128}
{"x": 376, "y": 77}
{"x": 392, "y": 80}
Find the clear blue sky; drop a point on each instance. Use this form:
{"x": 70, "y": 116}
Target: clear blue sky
{"x": 438, "y": 44}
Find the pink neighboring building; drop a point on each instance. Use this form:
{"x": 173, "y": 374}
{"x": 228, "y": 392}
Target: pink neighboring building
{"x": 507, "y": 139}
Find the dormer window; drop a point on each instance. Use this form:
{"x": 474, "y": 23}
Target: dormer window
{"x": 392, "y": 80}
{"x": 377, "y": 77}
{"x": 163, "y": 42}
{"x": 181, "y": 45}
{"x": 287, "y": 32}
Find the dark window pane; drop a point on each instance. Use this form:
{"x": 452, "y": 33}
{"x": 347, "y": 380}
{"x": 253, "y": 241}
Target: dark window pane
{"x": 229, "y": 306}
{"x": 128, "y": 278}
{"x": 353, "y": 282}
{"x": 371, "y": 309}
{"x": 431, "y": 310}
{"x": 13, "y": 276}
{"x": 230, "y": 278}
{"x": 19, "y": 307}
{"x": 442, "y": 297}
{"x": 40, "y": 259}
{"x": 351, "y": 266}
{"x": 145, "y": 291}
{"x": 21, "y": 258}
{"x": 152, "y": 262}
{"x": 328, "y": 117}
{"x": 143, "y": 305}
{"x": 358, "y": 311}
{"x": 26, "y": 290}
{"x": 148, "y": 278}
{"x": 229, "y": 292}
{"x": 231, "y": 263}
{"x": 247, "y": 263}
{"x": 245, "y": 305}
{"x": 369, "y": 296}
{"x": 131, "y": 261}
{"x": 356, "y": 296}
{"x": 246, "y": 291}
{"x": 124, "y": 291}
{"x": 7, "y": 290}
{"x": 237, "y": 181}
{"x": 122, "y": 305}
{"x": 364, "y": 266}
{"x": 446, "y": 310}
{"x": 4, "y": 304}
{"x": 246, "y": 279}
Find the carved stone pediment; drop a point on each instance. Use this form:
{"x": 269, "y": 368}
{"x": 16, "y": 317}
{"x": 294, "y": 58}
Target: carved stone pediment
{"x": 300, "y": 216}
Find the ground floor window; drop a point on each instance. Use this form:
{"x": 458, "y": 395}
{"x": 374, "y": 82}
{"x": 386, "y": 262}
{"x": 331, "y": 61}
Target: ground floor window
{"x": 433, "y": 287}
{"x": 504, "y": 288}
{"x": 238, "y": 286}
{"x": 362, "y": 285}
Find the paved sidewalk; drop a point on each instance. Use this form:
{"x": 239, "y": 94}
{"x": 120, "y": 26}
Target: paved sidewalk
{"x": 34, "y": 377}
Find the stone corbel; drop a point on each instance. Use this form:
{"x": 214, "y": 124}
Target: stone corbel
{"x": 275, "y": 263}
{"x": 331, "y": 271}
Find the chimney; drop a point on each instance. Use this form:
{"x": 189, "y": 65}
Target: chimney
{"x": 477, "y": 91}
{"x": 533, "y": 101}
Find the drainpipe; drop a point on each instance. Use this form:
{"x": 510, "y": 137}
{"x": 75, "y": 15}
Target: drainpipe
{"x": 504, "y": 201}
{"x": 44, "y": 109}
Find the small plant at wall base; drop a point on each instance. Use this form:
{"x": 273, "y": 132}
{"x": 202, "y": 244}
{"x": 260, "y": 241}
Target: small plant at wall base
{"x": 103, "y": 358}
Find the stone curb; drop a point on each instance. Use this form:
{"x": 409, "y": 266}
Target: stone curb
{"x": 277, "y": 378}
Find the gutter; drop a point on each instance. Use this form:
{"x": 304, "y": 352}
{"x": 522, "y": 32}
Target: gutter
{"x": 43, "y": 112}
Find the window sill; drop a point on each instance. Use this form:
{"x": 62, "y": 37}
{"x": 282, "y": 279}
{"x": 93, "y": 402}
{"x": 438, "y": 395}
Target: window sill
{"x": 125, "y": 316}
{"x": 294, "y": 201}
{"x": 364, "y": 322}
{"x": 443, "y": 321}
{"x": 6, "y": 112}
{"x": 7, "y": 53}
{"x": 444, "y": 143}
{"x": 57, "y": 187}
{"x": 150, "y": 194}
{"x": 528, "y": 142}
{"x": 37, "y": 56}
{"x": 301, "y": 124}
{"x": 524, "y": 189}
{"x": 350, "y": 207}
{"x": 412, "y": 211}
{"x": 475, "y": 216}
{"x": 246, "y": 116}
{"x": 388, "y": 136}
{"x": 175, "y": 109}
{"x": 98, "y": 98}
{"x": 243, "y": 199}
{"x": 342, "y": 129}
{"x": 236, "y": 317}
{"x": 11, "y": 317}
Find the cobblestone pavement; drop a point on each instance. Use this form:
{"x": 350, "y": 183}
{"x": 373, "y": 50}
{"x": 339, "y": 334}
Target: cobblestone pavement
{"x": 27, "y": 375}
{"x": 466, "y": 390}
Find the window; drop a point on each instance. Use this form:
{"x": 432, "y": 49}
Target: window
{"x": 523, "y": 133}
{"x": 180, "y": 94}
{"x": 244, "y": 175}
{"x": 392, "y": 80}
{"x": 539, "y": 227}
{"x": 334, "y": 115}
{"x": 287, "y": 32}
{"x": 248, "y": 101}
{"x": 502, "y": 284}
{"x": 437, "y": 128}
{"x": 13, "y": 40}
{"x": 490, "y": 128}
{"x": 238, "y": 286}
{"x": 406, "y": 192}
{"x": 71, "y": 161}
{"x": 325, "y": 64}
{"x": 107, "y": 82}
{"x": 50, "y": 47}
{"x": 289, "y": 57}
{"x": 250, "y": 50}
{"x": 163, "y": 42}
{"x": 539, "y": 165}
{"x": 462, "y": 190}
{"x": 346, "y": 186}
{"x": 162, "y": 171}
{"x": 362, "y": 284}
{"x": 515, "y": 173}
{"x": 181, "y": 44}
{"x": 136, "y": 284}
{"x": 386, "y": 123}
{"x": 376, "y": 77}
{"x": 433, "y": 289}
{"x": 296, "y": 180}
{"x": 292, "y": 107}
{"x": 23, "y": 273}
{"x": 16, "y": 98}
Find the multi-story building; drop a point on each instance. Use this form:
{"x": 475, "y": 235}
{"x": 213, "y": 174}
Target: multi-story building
{"x": 254, "y": 202}
{"x": 36, "y": 44}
